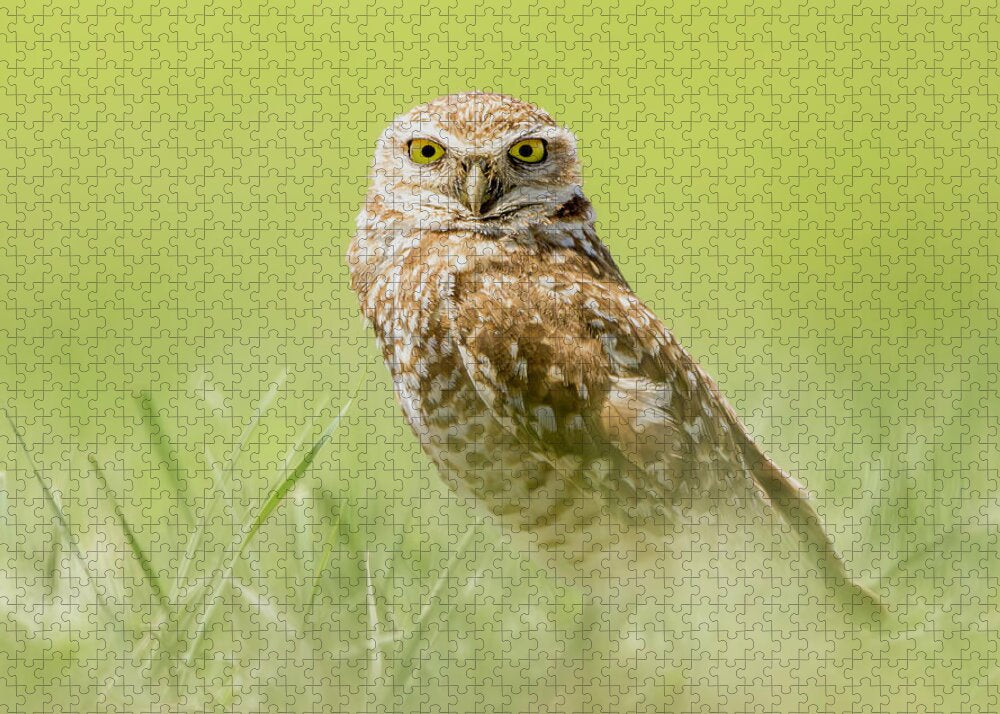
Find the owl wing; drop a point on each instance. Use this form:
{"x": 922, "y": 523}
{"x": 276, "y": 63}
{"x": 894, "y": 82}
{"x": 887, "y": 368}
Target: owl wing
{"x": 577, "y": 368}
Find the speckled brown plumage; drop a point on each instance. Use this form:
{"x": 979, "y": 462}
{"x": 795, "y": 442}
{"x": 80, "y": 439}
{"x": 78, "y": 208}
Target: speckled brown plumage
{"x": 530, "y": 372}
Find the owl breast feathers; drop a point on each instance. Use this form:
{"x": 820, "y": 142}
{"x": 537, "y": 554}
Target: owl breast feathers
{"x": 526, "y": 366}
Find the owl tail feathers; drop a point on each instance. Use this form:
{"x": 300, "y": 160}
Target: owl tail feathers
{"x": 790, "y": 499}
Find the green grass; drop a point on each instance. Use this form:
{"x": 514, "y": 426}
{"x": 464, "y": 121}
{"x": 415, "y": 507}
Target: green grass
{"x": 297, "y": 590}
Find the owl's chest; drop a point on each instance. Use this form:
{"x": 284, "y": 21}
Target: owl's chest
{"x": 431, "y": 383}
{"x": 415, "y": 335}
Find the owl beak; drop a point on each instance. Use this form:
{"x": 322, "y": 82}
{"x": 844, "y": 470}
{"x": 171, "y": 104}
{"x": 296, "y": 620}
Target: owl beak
{"x": 476, "y": 188}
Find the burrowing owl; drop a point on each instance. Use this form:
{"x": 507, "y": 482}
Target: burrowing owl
{"x": 532, "y": 375}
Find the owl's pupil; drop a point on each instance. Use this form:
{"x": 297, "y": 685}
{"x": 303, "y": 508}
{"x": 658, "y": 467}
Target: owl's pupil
{"x": 525, "y": 151}
{"x": 427, "y": 151}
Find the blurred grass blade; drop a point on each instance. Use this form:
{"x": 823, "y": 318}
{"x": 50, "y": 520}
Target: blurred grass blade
{"x": 374, "y": 622}
{"x": 262, "y": 406}
{"x": 49, "y": 496}
{"x": 281, "y": 489}
{"x": 324, "y": 560}
{"x": 64, "y": 523}
{"x": 417, "y": 639}
{"x": 133, "y": 543}
{"x": 250, "y": 529}
{"x": 160, "y": 439}
{"x": 220, "y": 484}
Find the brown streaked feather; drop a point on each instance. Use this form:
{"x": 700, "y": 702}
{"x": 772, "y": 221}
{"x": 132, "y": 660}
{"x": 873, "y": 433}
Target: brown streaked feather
{"x": 646, "y": 422}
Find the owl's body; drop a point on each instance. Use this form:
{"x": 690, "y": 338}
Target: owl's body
{"x": 504, "y": 353}
{"x": 532, "y": 375}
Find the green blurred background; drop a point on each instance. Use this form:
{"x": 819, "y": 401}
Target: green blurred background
{"x": 806, "y": 194}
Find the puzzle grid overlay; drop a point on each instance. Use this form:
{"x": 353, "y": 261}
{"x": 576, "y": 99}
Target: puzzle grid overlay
{"x": 208, "y": 498}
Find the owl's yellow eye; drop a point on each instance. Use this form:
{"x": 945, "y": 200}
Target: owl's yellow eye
{"x": 530, "y": 151}
{"x": 425, "y": 151}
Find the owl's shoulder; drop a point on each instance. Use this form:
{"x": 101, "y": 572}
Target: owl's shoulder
{"x": 567, "y": 299}
{"x": 547, "y": 339}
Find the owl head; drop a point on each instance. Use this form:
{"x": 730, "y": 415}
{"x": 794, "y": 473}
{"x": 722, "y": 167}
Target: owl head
{"x": 474, "y": 161}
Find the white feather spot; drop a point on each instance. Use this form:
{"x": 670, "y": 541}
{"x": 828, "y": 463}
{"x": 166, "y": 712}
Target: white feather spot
{"x": 546, "y": 418}
{"x": 521, "y": 369}
{"x": 694, "y": 428}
